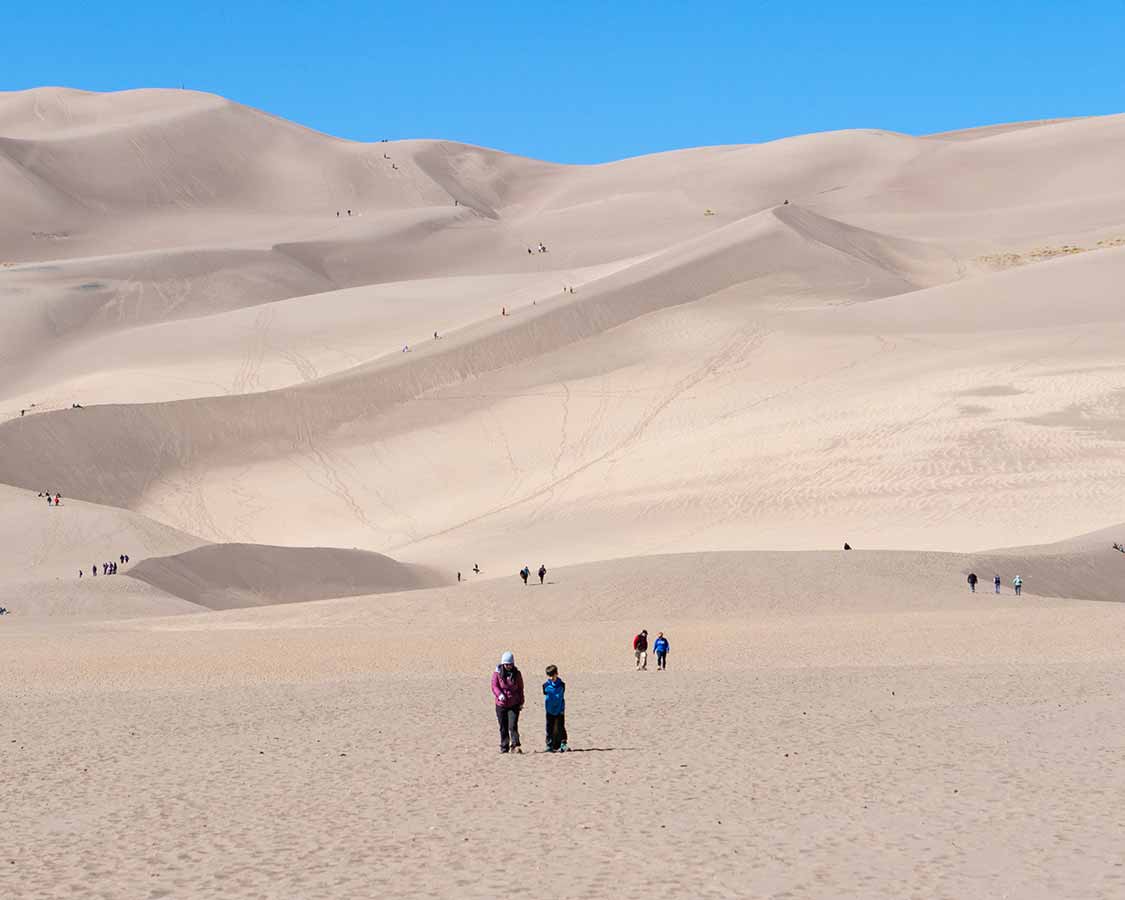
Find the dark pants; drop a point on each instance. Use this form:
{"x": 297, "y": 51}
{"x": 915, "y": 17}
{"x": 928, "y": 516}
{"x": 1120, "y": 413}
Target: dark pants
{"x": 556, "y": 731}
{"x": 509, "y": 721}
{"x": 661, "y": 660}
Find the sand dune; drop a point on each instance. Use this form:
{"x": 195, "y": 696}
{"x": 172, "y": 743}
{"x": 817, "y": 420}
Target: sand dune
{"x": 723, "y": 363}
{"x": 226, "y": 576}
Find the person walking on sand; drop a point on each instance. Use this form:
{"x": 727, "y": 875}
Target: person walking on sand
{"x": 640, "y": 650}
{"x": 1017, "y": 583}
{"x": 996, "y": 583}
{"x": 458, "y": 577}
{"x": 660, "y": 648}
{"x": 972, "y": 579}
{"x": 542, "y": 572}
{"x": 525, "y": 572}
{"x": 554, "y": 702}
{"x": 507, "y": 688}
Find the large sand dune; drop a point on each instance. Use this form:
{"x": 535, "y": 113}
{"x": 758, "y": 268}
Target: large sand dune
{"x": 724, "y": 363}
{"x": 714, "y": 382}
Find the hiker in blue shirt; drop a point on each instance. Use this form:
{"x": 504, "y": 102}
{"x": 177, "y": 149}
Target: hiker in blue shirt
{"x": 660, "y": 648}
{"x": 554, "y": 690}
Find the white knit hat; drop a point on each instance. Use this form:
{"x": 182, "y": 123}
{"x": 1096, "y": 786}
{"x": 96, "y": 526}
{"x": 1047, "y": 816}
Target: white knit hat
{"x": 507, "y": 658}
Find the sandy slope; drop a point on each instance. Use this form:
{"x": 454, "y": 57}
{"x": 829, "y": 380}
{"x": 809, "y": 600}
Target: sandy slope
{"x": 913, "y": 344}
{"x": 695, "y": 392}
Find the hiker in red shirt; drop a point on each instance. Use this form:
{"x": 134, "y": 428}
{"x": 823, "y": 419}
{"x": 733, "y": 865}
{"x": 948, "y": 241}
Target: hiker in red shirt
{"x": 640, "y": 650}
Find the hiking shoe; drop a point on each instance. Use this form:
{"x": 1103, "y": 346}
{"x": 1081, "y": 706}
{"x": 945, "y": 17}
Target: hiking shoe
{"x": 551, "y": 750}
{"x": 563, "y": 748}
{"x": 517, "y": 749}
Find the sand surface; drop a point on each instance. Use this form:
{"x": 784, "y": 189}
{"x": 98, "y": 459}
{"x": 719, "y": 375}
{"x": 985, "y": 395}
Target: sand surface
{"x": 303, "y": 383}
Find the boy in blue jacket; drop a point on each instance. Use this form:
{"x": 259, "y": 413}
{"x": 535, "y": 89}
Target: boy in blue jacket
{"x": 554, "y": 690}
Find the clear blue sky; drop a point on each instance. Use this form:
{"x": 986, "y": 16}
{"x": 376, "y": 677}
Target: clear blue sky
{"x": 586, "y": 82}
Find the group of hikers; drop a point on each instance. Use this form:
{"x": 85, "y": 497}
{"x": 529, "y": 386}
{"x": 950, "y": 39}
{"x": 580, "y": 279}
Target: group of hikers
{"x": 542, "y": 248}
{"x": 1017, "y": 583}
{"x": 108, "y": 568}
{"x": 507, "y": 690}
{"x": 52, "y": 499}
{"x": 659, "y": 647}
{"x": 525, "y": 573}
{"x": 476, "y": 571}
{"x": 508, "y": 694}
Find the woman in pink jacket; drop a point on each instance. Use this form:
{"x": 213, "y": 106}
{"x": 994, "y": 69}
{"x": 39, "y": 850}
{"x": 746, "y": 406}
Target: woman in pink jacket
{"x": 507, "y": 688}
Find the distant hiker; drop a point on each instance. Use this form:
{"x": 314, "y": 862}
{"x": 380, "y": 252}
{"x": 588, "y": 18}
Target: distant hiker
{"x": 436, "y": 338}
{"x": 476, "y": 569}
{"x": 337, "y": 214}
{"x": 996, "y": 583}
{"x": 660, "y": 648}
{"x": 528, "y": 253}
{"x": 972, "y": 582}
{"x": 50, "y": 500}
{"x": 554, "y": 703}
{"x": 95, "y": 570}
{"x": 79, "y": 573}
{"x": 1017, "y": 583}
{"x": 640, "y": 650}
{"x": 503, "y": 310}
{"x": 507, "y": 688}
{"x": 786, "y": 203}
{"x": 22, "y": 411}
{"x": 405, "y": 348}
{"x": 121, "y": 559}
{"x": 542, "y": 572}
{"x": 458, "y": 577}
{"x": 847, "y": 546}
{"x": 105, "y": 568}
{"x": 456, "y": 202}
{"x": 1119, "y": 548}
{"x": 525, "y": 572}
{"x": 126, "y": 558}
{"x": 394, "y": 165}
{"x": 349, "y": 212}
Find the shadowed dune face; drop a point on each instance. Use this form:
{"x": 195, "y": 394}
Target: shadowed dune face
{"x": 227, "y": 576}
{"x": 769, "y": 345}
